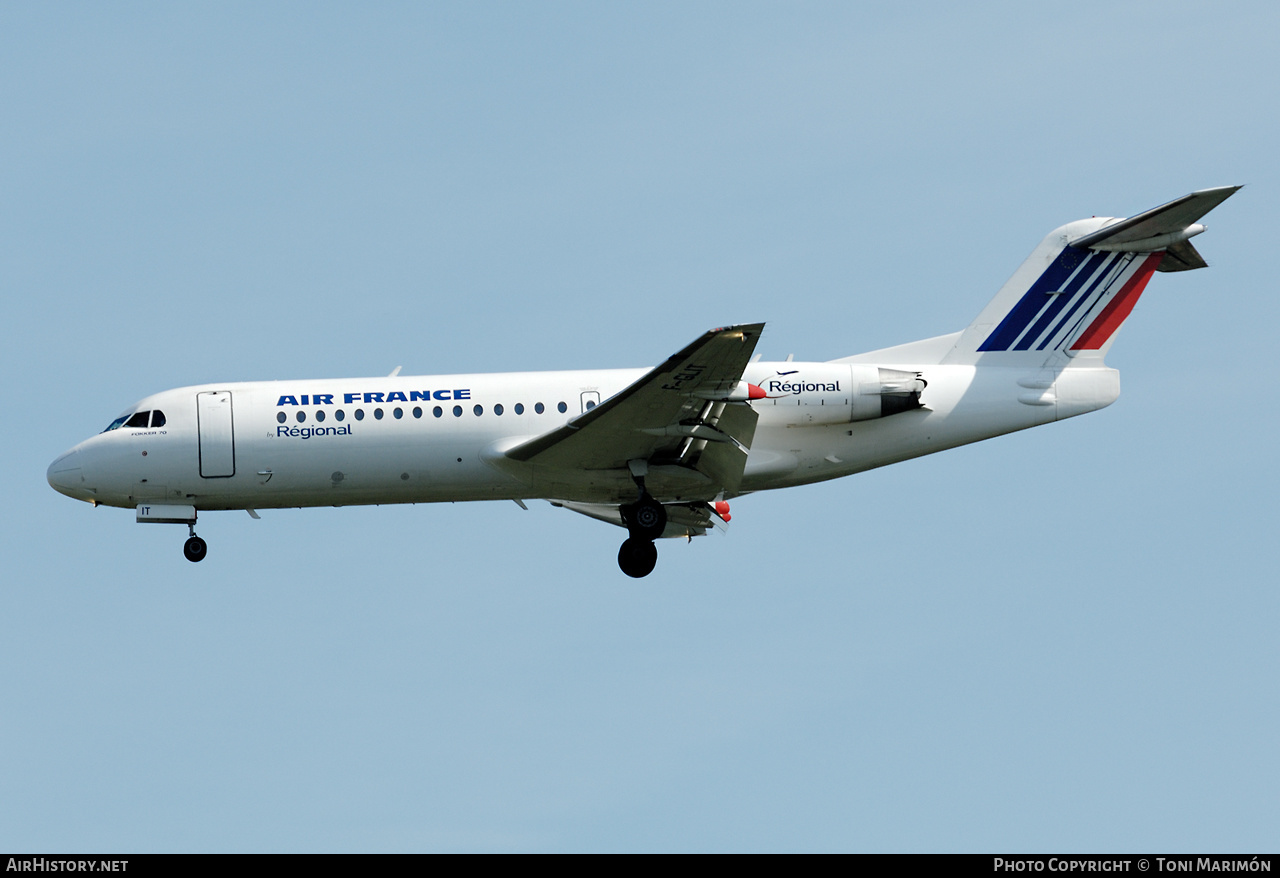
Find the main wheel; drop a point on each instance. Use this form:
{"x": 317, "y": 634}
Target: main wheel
{"x": 647, "y": 518}
{"x": 195, "y": 549}
{"x": 637, "y": 557}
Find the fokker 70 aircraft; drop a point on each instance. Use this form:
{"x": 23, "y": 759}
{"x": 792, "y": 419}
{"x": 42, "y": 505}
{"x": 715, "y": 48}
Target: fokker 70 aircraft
{"x": 661, "y": 451}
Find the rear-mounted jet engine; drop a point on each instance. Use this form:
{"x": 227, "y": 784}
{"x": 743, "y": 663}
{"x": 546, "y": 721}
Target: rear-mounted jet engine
{"x": 840, "y": 393}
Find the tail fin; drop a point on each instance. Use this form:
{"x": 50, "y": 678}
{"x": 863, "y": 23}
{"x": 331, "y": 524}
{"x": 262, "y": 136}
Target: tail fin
{"x": 1079, "y": 285}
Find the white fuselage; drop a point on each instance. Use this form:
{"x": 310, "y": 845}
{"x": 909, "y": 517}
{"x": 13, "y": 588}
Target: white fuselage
{"x": 441, "y": 438}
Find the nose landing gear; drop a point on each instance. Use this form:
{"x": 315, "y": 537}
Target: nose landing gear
{"x": 194, "y": 548}
{"x": 162, "y": 513}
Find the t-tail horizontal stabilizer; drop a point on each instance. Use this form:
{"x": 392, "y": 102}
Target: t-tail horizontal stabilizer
{"x": 1169, "y": 227}
{"x": 1075, "y": 290}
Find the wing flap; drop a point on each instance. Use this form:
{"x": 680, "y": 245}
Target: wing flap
{"x": 724, "y": 462}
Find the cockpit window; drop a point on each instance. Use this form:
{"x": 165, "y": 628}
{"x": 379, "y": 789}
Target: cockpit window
{"x": 137, "y": 419}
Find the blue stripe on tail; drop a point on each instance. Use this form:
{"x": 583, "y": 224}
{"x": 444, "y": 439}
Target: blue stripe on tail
{"x": 1057, "y": 303}
{"x": 1021, "y": 315}
{"x": 1099, "y": 288}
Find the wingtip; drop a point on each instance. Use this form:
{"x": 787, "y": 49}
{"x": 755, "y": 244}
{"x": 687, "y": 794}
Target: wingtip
{"x": 1222, "y": 193}
{"x": 742, "y": 330}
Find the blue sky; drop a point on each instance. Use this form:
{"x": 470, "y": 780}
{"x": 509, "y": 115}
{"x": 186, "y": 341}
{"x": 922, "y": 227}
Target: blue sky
{"x": 1058, "y": 640}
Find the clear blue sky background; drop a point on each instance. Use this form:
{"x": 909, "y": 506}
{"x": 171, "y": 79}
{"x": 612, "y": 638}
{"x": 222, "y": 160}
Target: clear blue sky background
{"x": 1064, "y": 639}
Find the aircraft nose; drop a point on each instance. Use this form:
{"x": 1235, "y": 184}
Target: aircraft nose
{"x": 66, "y": 474}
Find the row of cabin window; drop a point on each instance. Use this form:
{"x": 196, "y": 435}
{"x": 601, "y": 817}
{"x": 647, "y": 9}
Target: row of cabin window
{"x": 139, "y": 420}
{"x": 438, "y": 412}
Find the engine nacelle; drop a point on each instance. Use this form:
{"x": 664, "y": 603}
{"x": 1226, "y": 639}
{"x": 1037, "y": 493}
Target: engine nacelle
{"x": 835, "y": 393}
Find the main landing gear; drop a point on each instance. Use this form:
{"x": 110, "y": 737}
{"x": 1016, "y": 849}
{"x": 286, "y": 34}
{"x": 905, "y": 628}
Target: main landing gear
{"x": 194, "y": 548}
{"x": 645, "y": 519}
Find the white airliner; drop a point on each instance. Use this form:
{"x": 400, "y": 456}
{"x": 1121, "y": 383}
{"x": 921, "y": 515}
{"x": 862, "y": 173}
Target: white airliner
{"x": 658, "y": 451}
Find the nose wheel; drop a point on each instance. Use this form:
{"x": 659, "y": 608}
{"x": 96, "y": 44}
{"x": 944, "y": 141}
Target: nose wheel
{"x": 194, "y": 549}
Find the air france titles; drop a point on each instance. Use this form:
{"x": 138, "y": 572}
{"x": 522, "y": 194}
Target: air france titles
{"x": 369, "y": 397}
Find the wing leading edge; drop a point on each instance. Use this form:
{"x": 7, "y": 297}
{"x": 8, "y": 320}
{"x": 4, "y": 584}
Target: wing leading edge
{"x": 689, "y": 412}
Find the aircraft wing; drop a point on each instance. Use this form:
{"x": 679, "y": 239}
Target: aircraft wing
{"x": 689, "y": 412}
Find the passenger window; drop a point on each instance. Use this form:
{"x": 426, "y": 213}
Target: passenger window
{"x": 562, "y": 408}
{"x": 302, "y": 416}
{"x": 281, "y": 417}
{"x": 157, "y": 418}
{"x": 437, "y": 411}
{"x": 539, "y": 408}
{"x": 339, "y": 415}
{"x": 479, "y": 410}
{"x": 319, "y": 414}
{"x": 417, "y": 411}
{"x": 359, "y": 414}
{"x": 457, "y": 411}
{"x": 399, "y": 413}
{"x": 138, "y": 420}
{"x": 377, "y": 413}
{"x": 497, "y": 409}
{"x": 519, "y": 408}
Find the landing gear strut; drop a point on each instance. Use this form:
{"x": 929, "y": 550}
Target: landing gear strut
{"x": 645, "y": 519}
{"x": 195, "y": 548}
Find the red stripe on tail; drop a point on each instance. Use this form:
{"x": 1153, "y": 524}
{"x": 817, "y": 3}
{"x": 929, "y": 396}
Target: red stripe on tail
{"x": 1118, "y": 308}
